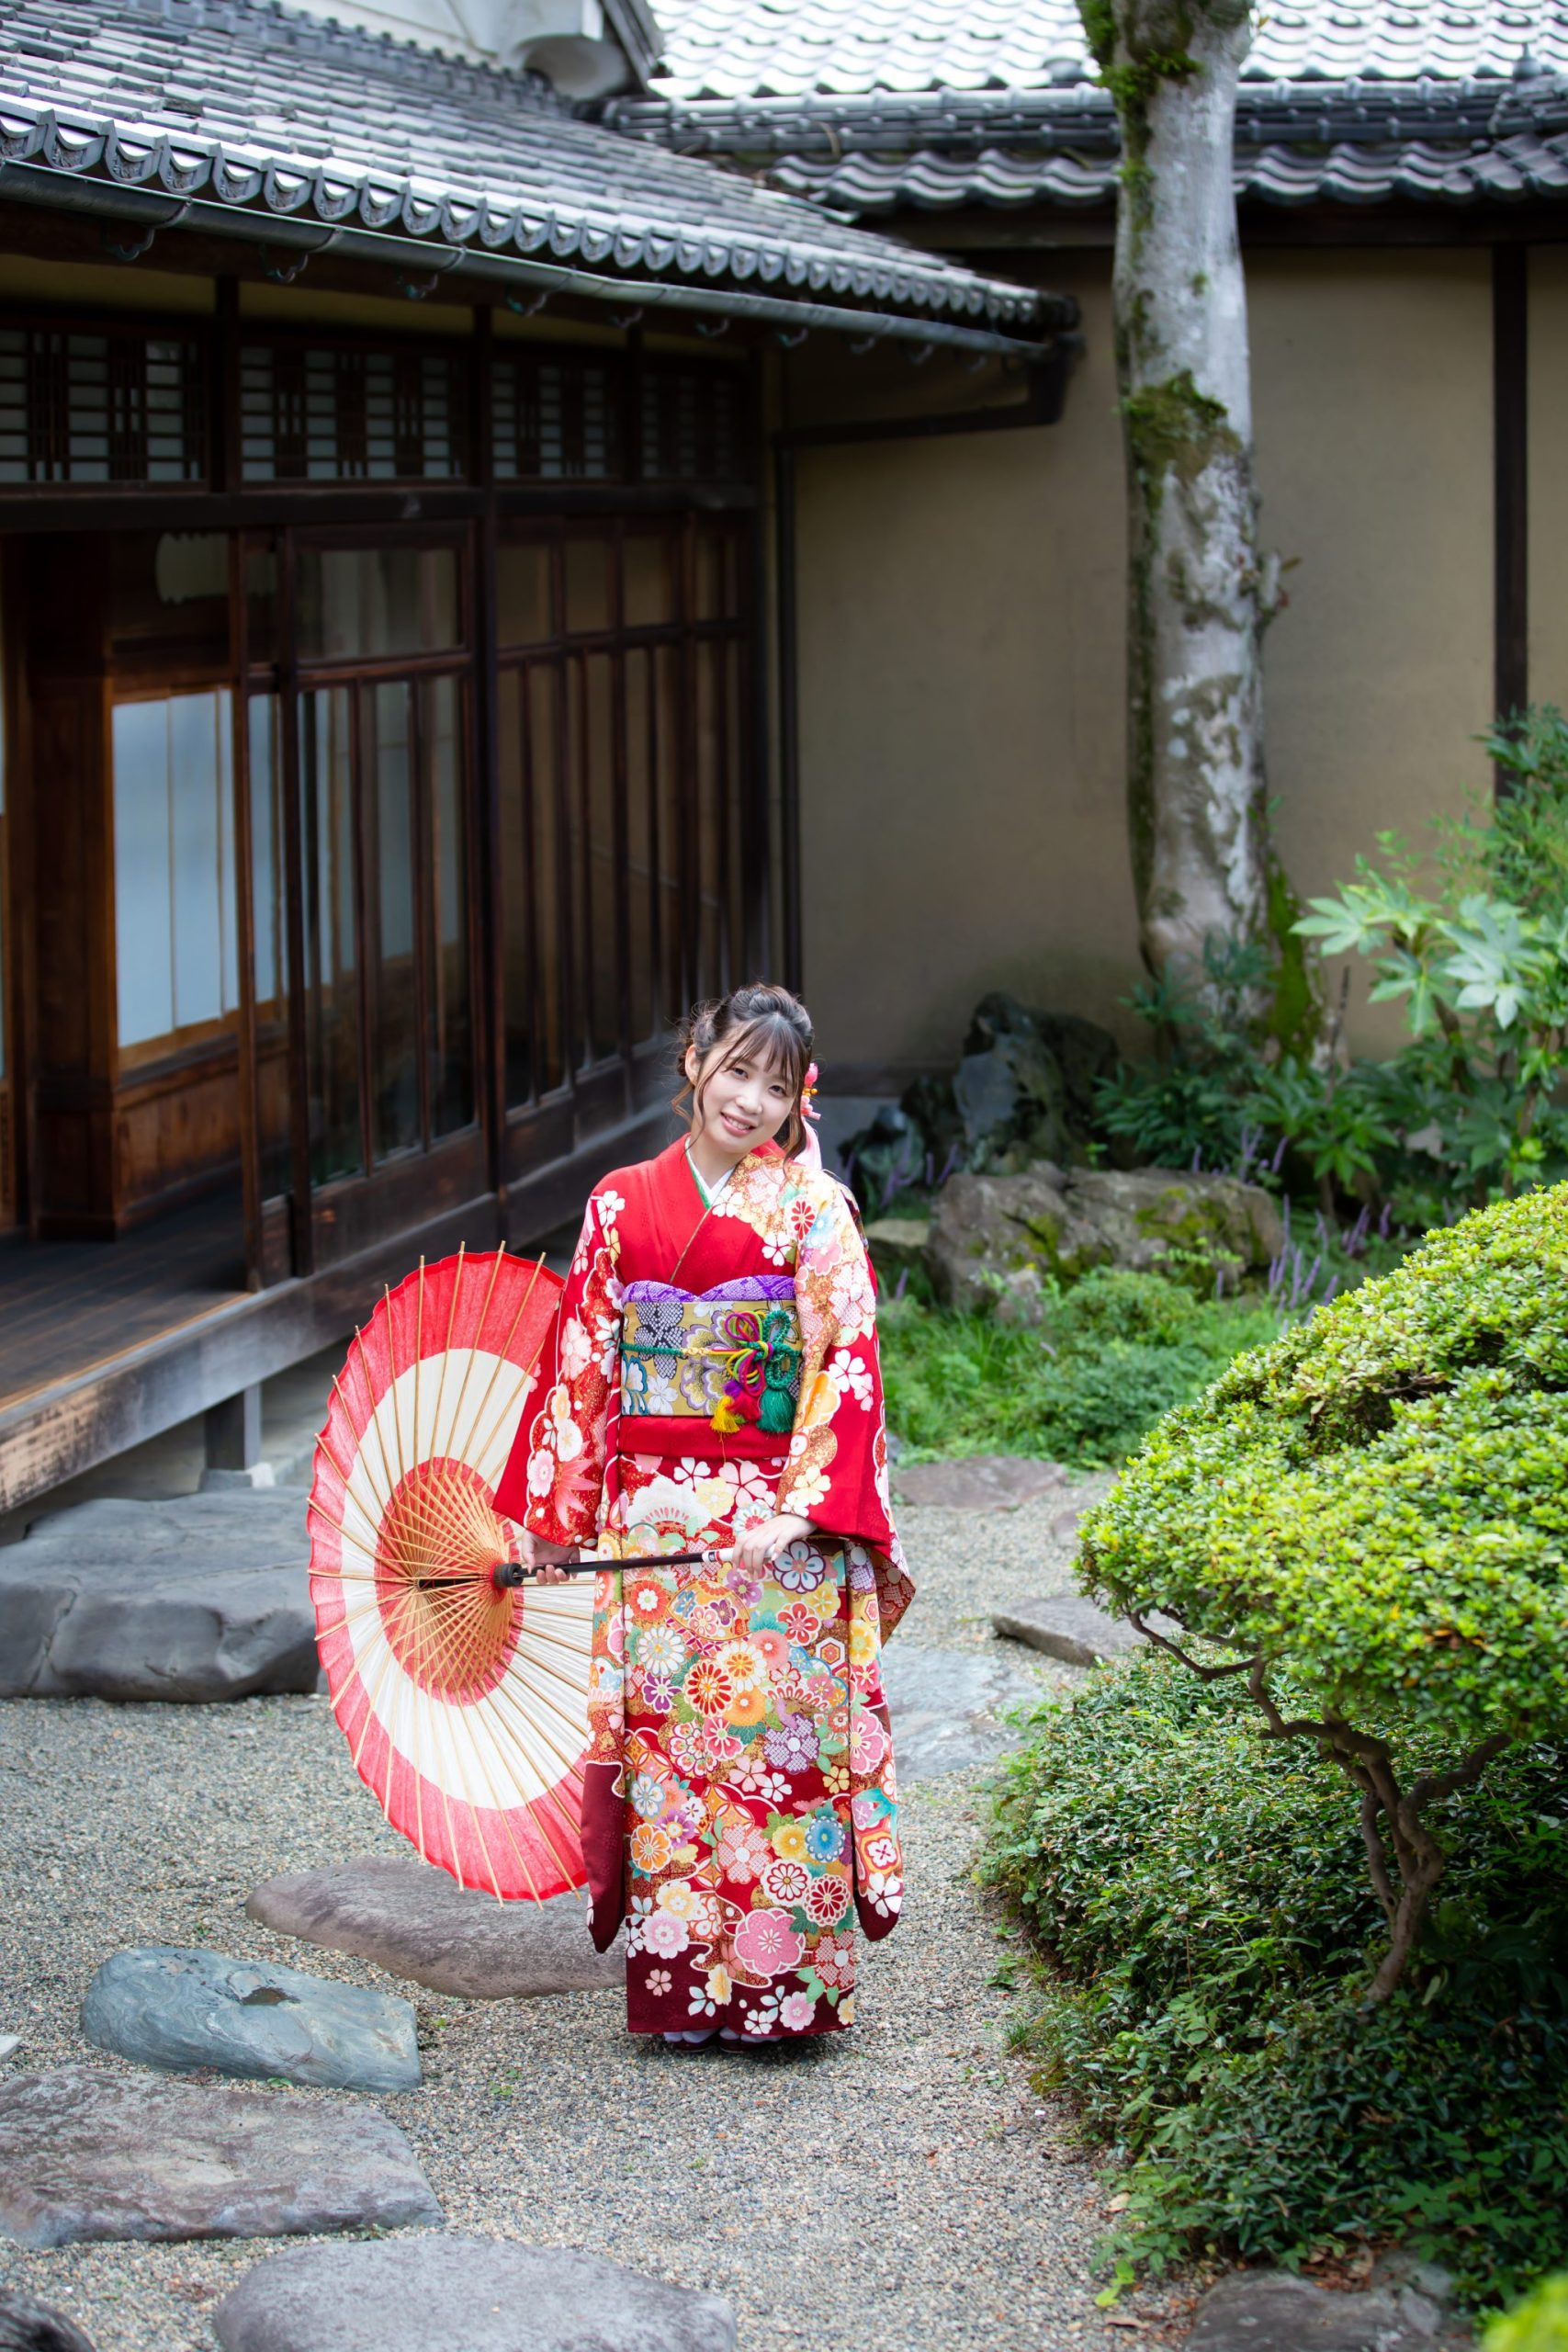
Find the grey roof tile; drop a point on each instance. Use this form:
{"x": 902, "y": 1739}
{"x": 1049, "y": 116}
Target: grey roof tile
{"x": 872, "y": 106}
{"x": 248, "y": 103}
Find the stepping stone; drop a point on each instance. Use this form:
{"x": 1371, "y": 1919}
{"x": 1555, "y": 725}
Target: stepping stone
{"x": 1269, "y": 2311}
{"x": 85, "y": 2155}
{"x": 30, "y": 2326}
{"x": 1069, "y": 1626}
{"x": 414, "y": 1921}
{"x": 167, "y": 2006}
{"x": 944, "y": 1705}
{"x": 204, "y": 1597}
{"x": 433, "y": 2294}
{"x": 982, "y": 1482}
{"x": 9, "y": 2042}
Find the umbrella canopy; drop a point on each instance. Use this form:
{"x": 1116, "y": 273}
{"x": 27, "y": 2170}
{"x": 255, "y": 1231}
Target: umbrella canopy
{"x": 465, "y": 1703}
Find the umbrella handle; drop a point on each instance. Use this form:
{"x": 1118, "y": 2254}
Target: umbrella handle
{"x": 508, "y": 1575}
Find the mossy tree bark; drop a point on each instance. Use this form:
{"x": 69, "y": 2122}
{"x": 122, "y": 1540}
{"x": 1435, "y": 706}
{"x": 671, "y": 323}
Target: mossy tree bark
{"x": 1199, "y": 593}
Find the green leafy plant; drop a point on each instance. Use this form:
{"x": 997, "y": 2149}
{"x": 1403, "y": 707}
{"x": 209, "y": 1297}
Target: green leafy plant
{"x": 1116, "y": 1350}
{"x": 1373, "y": 1507}
{"x": 1198, "y": 1899}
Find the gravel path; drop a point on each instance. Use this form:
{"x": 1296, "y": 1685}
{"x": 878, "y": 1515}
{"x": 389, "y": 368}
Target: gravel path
{"x": 897, "y": 2189}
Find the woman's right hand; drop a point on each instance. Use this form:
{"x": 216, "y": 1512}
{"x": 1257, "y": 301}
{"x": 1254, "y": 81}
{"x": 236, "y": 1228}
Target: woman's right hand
{"x": 544, "y": 1557}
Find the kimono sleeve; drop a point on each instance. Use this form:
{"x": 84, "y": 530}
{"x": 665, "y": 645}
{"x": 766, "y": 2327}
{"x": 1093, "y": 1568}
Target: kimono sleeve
{"x": 554, "y": 1479}
{"x": 836, "y": 1471}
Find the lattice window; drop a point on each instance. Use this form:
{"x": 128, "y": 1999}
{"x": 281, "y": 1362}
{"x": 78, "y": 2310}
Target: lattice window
{"x": 556, "y": 419}
{"x": 341, "y": 412}
{"x": 120, "y": 407}
{"x": 693, "y": 426}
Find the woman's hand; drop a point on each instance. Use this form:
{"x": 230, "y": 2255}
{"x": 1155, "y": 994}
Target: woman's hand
{"x": 544, "y": 1557}
{"x": 758, "y": 1546}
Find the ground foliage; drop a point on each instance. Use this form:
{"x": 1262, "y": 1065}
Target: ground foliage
{"x": 1538, "y": 2325}
{"x": 1116, "y": 1351}
{"x": 1199, "y": 1901}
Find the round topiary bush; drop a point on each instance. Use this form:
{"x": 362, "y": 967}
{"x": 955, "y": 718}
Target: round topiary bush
{"x": 1376, "y": 1504}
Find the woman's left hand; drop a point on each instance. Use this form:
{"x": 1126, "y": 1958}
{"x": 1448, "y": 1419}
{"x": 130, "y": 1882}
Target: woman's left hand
{"x": 762, "y": 1544}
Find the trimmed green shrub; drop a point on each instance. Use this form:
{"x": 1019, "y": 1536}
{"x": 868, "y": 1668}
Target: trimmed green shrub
{"x": 1539, "y": 2324}
{"x": 1200, "y": 1898}
{"x": 1376, "y": 1505}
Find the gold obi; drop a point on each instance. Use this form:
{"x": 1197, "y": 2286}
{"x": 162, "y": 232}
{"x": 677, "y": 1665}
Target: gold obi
{"x": 731, "y": 1357}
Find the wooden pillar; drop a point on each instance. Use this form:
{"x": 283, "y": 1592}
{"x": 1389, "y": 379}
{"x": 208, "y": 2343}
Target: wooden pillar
{"x": 1510, "y": 426}
{"x": 71, "y": 840}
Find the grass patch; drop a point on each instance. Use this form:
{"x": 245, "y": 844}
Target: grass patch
{"x": 1114, "y": 1353}
{"x": 1200, "y": 1904}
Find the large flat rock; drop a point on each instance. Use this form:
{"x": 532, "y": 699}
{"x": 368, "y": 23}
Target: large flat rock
{"x": 176, "y": 2008}
{"x": 1270, "y": 2311}
{"x": 204, "y": 1597}
{"x": 978, "y": 1482}
{"x": 1066, "y": 1625}
{"x": 415, "y": 1922}
{"x": 27, "y": 2325}
{"x": 945, "y": 1706}
{"x": 442, "y": 2294}
{"x": 88, "y": 2154}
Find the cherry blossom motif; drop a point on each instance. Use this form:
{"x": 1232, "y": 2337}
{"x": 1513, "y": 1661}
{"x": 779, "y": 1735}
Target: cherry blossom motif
{"x": 767, "y": 1944}
{"x": 795, "y": 2012}
{"x": 853, "y": 1377}
{"x": 881, "y": 1851}
{"x": 883, "y": 1889}
{"x": 659, "y": 1981}
{"x": 868, "y": 1742}
{"x": 610, "y": 1207}
{"x": 834, "y": 1960}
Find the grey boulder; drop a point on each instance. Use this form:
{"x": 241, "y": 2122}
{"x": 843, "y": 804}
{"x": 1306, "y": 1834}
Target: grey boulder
{"x": 1270, "y": 2311}
{"x": 415, "y": 1922}
{"x": 1066, "y": 1625}
{"x": 434, "y": 2294}
{"x": 85, "y": 2155}
{"x": 30, "y": 2326}
{"x": 169, "y": 2007}
{"x": 996, "y": 1241}
{"x": 204, "y": 1597}
{"x": 945, "y": 1708}
{"x": 978, "y": 1482}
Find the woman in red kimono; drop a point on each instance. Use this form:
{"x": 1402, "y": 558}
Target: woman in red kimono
{"x": 716, "y": 1385}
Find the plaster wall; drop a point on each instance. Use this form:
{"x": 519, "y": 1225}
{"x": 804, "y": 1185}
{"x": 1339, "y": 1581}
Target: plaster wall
{"x": 962, "y": 665}
{"x": 1548, "y": 475}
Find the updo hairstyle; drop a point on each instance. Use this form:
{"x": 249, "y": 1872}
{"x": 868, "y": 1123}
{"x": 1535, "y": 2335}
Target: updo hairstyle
{"x": 759, "y": 1022}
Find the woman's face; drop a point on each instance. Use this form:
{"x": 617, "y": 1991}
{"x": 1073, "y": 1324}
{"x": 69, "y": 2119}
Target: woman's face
{"x": 745, "y": 1101}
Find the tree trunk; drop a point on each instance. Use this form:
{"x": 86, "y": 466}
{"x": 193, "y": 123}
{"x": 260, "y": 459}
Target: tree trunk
{"x": 1199, "y": 595}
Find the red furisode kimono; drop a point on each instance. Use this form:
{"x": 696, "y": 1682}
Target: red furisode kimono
{"x": 716, "y": 1367}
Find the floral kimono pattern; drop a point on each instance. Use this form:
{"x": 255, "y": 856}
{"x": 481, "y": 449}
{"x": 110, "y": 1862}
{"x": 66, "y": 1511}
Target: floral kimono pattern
{"x": 740, "y": 1810}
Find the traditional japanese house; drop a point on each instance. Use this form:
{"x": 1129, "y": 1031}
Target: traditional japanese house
{"x": 1402, "y": 177}
{"x": 385, "y": 614}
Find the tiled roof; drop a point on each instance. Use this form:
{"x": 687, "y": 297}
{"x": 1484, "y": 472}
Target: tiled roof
{"x": 872, "y": 105}
{"x": 788, "y": 48}
{"x": 247, "y": 103}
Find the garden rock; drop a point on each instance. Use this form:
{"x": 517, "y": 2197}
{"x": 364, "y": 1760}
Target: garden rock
{"x": 945, "y": 1708}
{"x": 996, "y": 1237}
{"x": 170, "y": 2007}
{"x": 415, "y": 1922}
{"x": 85, "y": 2155}
{"x": 200, "y": 1598}
{"x": 977, "y": 1482}
{"x": 1270, "y": 2311}
{"x": 997, "y": 1240}
{"x": 1066, "y": 1625}
{"x": 434, "y": 2293}
{"x": 30, "y": 2326}
{"x": 1144, "y": 1213}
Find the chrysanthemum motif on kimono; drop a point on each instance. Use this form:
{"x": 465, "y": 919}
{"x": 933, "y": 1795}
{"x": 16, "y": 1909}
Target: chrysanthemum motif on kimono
{"x": 715, "y": 1367}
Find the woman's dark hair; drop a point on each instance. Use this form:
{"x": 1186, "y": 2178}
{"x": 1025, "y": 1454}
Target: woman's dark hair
{"x": 761, "y": 1022}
